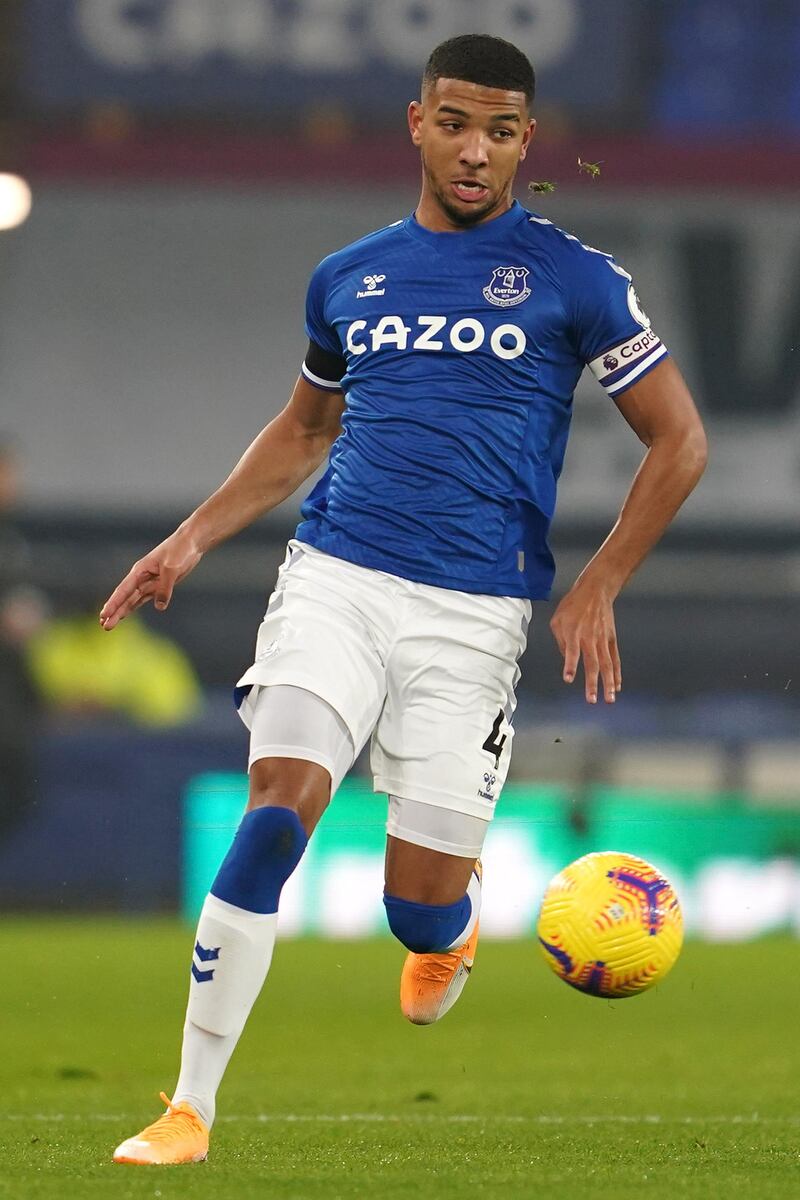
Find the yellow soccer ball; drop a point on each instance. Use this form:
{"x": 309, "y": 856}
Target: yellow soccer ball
{"x": 610, "y": 925}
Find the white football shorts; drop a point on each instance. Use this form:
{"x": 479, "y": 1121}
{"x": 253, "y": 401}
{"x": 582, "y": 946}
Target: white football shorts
{"x": 428, "y": 672}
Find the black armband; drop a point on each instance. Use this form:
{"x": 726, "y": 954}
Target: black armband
{"x": 323, "y": 369}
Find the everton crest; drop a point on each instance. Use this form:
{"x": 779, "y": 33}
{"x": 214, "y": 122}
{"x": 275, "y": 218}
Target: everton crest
{"x": 508, "y": 285}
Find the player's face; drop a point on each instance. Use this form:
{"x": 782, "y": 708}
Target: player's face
{"x": 472, "y": 140}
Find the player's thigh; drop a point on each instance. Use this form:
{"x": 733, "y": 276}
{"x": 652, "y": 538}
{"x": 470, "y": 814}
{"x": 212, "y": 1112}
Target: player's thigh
{"x": 322, "y": 633}
{"x": 444, "y": 736}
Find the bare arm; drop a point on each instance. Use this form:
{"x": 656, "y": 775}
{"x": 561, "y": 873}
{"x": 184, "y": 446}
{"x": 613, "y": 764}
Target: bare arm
{"x": 662, "y": 413}
{"x": 282, "y": 457}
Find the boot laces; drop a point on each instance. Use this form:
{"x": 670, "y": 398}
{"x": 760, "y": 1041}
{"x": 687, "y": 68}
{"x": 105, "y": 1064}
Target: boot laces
{"x": 177, "y": 1122}
{"x": 437, "y": 968}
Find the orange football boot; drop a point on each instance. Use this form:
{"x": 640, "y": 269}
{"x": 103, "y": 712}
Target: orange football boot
{"x": 179, "y": 1136}
{"x": 430, "y": 984}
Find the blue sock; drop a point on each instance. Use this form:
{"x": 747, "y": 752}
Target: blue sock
{"x": 428, "y": 928}
{"x": 269, "y": 844}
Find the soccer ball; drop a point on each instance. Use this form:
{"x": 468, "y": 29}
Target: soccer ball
{"x": 610, "y": 925}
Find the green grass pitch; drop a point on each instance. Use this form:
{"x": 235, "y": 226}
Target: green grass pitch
{"x": 526, "y": 1089}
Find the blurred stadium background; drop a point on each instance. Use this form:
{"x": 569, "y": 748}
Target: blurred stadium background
{"x": 189, "y": 163}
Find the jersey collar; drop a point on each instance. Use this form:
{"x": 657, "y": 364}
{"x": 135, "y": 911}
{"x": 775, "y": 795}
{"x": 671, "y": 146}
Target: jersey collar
{"x": 485, "y": 232}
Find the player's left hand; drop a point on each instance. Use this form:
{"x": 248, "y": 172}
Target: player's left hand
{"x": 583, "y": 625}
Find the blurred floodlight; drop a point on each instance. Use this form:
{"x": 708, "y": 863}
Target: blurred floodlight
{"x": 15, "y": 201}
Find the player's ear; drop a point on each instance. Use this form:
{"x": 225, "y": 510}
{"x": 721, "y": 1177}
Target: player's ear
{"x": 415, "y": 121}
{"x": 527, "y": 138}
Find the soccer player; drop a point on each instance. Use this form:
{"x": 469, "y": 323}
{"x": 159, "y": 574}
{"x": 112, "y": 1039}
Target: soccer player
{"x": 443, "y": 355}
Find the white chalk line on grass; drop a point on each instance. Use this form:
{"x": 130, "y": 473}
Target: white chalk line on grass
{"x": 431, "y": 1119}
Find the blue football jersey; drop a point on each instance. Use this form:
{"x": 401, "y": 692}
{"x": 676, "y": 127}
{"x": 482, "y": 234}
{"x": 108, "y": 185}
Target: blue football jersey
{"x": 458, "y": 354}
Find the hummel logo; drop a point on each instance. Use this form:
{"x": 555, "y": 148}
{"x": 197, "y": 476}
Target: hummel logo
{"x": 268, "y": 651}
{"x": 205, "y": 955}
{"x": 372, "y": 282}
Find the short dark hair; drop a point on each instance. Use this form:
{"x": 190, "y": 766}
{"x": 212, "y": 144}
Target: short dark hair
{"x": 479, "y": 58}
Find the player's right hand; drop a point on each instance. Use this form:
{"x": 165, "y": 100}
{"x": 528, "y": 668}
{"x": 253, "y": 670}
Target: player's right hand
{"x": 152, "y": 578}
{"x": 583, "y": 626}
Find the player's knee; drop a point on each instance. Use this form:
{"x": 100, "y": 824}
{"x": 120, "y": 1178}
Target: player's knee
{"x": 427, "y": 928}
{"x": 268, "y": 846}
{"x": 304, "y": 787}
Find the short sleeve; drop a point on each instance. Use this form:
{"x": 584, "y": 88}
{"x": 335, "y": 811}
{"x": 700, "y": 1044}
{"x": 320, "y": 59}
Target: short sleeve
{"x": 612, "y": 332}
{"x": 324, "y": 365}
{"x": 317, "y": 327}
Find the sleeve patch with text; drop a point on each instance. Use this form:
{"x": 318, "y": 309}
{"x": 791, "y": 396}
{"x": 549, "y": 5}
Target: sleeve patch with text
{"x": 621, "y": 365}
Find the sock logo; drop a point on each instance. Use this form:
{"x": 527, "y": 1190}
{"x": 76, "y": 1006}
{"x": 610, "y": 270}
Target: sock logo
{"x": 210, "y": 955}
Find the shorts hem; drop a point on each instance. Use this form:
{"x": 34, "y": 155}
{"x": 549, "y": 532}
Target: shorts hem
{"x": 412, "y": 791}
{"x": 256, "y": 677}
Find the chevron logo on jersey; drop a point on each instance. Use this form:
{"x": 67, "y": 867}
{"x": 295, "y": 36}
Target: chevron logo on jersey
{"x": 508, "y": 285}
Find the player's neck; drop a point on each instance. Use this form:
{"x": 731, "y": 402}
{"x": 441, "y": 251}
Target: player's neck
{"x": 432, "y": 216}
